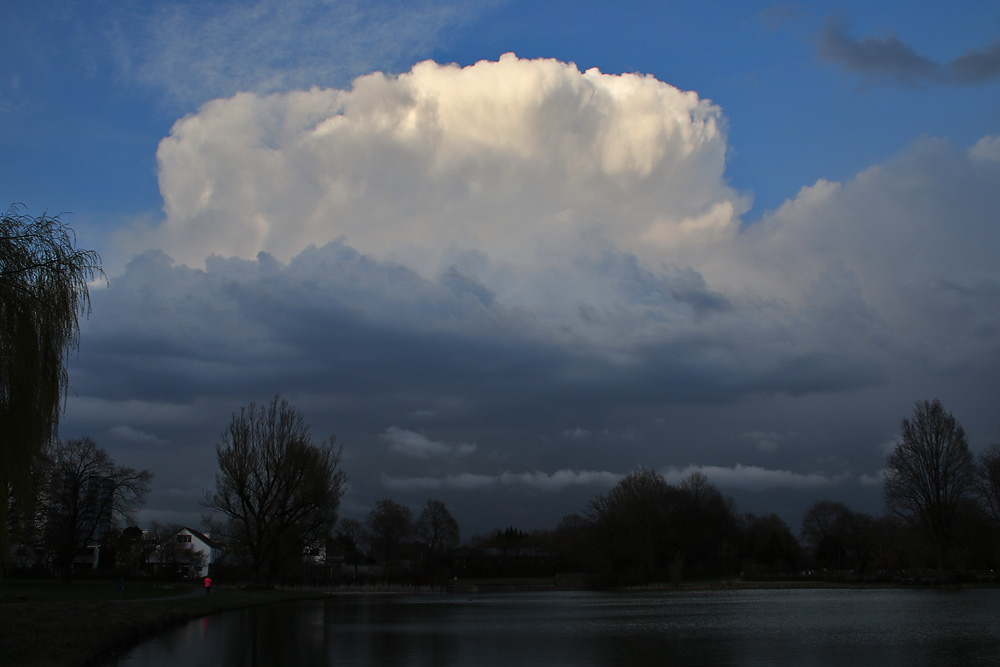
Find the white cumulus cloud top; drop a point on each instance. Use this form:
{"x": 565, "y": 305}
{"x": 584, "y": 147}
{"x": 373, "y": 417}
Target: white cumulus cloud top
{"x": 527, "y": 161}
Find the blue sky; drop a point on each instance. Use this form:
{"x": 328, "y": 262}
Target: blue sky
{"x": 742, "y": 238}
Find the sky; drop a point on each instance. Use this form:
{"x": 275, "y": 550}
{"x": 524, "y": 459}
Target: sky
{"x": 507, "y": 252}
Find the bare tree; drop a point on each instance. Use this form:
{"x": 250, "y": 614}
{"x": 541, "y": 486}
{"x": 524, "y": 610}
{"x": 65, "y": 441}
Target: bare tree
{"x": 702, "y": 522}
{"x": 436, "y": 529}
{"x": 824, "y": 527}
{"x": 132, "y": 550}
{"x": 43, "y": 291}
{"x": 279, "y": 493}
{"x": 350, "y": 539}
{"x": 838, "y": 536}
{"x": 773, "y": 547}
{"x": 162, "y": 542}
{"x": 389, "y": 526}
{"x": 630, "y": 523}
{"x": 569, "y": 543}
{"x": 87, "y": 496}
{"x": 929, "y": 474}
{"x": 988, "y": 481}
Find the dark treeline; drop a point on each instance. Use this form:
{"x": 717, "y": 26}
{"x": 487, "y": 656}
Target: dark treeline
{"x": 941, "y": 520}
{"x": 646, "y": 529}
{"x": 942, "y": 513}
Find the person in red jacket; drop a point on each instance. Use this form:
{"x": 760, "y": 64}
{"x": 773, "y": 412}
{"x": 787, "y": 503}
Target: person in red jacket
{"x": 208, "y": 585}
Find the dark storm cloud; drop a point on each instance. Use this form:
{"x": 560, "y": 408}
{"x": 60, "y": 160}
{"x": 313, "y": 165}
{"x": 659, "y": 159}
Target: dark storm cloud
{"x": 977, "y": 65}
{"x": 880, "y": 58}
{"x": 336, "y": 322}
{"x": 888, "y": 59}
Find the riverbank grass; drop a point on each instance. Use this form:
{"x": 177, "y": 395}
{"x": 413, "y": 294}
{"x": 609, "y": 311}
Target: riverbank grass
{"x": 43, "y": 624}
{"x": 52, "y": 590}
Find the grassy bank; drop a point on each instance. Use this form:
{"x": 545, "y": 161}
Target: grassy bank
{"x": 46, "y": 624}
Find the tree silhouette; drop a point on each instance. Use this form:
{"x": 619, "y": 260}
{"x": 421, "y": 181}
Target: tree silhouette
{"x": 88, "y": 493}
{"x": 988, "y": 482}
{"x": 630, "y": 523}
{"x": 43, "y": 292}
{"x": 436, "y": 529}
{"x": 278, "y": 492}
{"x": 772, "y": 546}
{"x": 350, "y": 539}
{"x": 389, "y": 526}
{"x": 825, "y": 526}
{"x": 702, "y": 521}
{"x": 930, "y": 474}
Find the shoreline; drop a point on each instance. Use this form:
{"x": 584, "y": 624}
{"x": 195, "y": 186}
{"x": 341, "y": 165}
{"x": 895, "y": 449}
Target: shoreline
{"x": 87, "y": 632}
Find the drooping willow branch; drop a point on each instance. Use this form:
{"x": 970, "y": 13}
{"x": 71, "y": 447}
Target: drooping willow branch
{"x": 44, "y": 289}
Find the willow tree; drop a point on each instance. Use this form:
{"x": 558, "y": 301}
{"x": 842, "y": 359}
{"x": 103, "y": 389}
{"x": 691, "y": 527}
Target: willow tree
{"x": 43, "y": 292}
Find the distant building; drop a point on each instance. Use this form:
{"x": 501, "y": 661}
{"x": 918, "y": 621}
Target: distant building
{"x": 202, "y": 551}
{"x": 187, "y": 552}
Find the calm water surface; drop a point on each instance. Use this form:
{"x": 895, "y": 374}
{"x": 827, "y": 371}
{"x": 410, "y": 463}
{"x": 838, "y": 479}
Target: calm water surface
{"x": 787, "y": 627}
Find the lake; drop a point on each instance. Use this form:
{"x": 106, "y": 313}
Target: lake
{"x": 853, "y": 627}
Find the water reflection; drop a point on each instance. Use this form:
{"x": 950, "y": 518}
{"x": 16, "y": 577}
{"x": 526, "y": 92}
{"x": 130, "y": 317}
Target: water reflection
{"x": 809, "y": 627}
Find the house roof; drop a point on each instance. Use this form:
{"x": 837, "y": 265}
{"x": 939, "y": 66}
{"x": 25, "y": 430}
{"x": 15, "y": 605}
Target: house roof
{"x": 201, "y": 536}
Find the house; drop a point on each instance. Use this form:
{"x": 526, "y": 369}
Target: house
{"x": 187, "y": 552}
{"x": 87, "y": 558}
{"x": 203, "y": 551}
